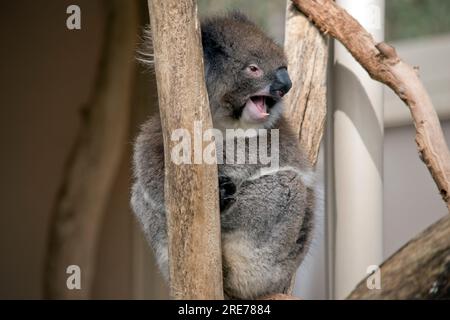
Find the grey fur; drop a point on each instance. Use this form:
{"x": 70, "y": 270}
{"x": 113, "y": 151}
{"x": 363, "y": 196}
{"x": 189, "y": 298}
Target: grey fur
{"x": 267, "y": 227}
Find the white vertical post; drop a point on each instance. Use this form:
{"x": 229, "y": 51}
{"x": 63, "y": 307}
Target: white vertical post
{"x": 357, "y": 151}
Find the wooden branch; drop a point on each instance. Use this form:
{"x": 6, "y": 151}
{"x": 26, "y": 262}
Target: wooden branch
{"x": 191, "y": 191}
{"x": 306, "y": 103}
{"x": 419, "y": 270}
{"x": 383, "y": 64}
{"x": 280, "y": 296}
{"x": 94, "y": 159}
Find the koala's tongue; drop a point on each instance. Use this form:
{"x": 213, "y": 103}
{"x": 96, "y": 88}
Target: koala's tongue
{"x": 255, "y": 109}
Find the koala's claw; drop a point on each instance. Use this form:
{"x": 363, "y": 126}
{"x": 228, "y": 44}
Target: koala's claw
{"x": 226, "y": 191}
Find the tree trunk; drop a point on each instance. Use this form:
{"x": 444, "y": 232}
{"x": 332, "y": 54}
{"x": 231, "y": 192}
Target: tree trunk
{"x": 306, "y": 103}
{"x": 94, "y": 160}
{"x": 191, "y": 190}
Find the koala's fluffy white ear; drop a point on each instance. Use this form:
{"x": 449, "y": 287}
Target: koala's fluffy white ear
{"x": 239, "y": 16}
{"x": 145, "y": 56}
{"x": 145, "y": 49}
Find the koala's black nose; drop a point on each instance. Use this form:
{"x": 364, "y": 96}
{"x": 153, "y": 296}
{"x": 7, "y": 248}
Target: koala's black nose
{"x": 282, "y": 83}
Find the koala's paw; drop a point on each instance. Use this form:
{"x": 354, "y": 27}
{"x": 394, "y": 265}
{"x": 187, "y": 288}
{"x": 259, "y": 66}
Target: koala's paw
{"x": 226, "y": 191}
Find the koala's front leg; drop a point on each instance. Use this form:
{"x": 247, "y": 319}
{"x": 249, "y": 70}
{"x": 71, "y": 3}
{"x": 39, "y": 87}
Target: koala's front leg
{"x": 265, "y": 233}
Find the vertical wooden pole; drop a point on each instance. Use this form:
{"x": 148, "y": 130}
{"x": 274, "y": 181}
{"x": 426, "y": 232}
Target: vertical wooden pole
{"x": 306, "y": 103}
{"x": 357, "y": 156}
{"x": 191, "y": 195}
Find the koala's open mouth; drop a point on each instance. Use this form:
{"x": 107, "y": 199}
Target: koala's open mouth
{"x": 268, "y": 101}
{"x": 257, "y": 108}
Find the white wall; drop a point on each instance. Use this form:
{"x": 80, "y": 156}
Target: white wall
{"x": 411, "y": 198}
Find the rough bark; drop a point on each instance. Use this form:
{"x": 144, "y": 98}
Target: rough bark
{"x": 191, "y": 190}
{"x": 94, "y": 160}
{"x": 419, "y": 270}
{"x": 306, "y": 103}
{"x": 383, "y": 64}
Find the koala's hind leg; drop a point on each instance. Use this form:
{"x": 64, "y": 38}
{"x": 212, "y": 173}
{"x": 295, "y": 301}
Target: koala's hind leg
{"x": 265, "y": 233}
{"x": 152, "y": 217}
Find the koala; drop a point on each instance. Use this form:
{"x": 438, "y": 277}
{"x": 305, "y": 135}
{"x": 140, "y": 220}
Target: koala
{"x": 266, "y": 213}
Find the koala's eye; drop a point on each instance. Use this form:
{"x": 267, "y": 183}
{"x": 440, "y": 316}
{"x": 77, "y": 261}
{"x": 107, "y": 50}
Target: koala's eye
{"x": 254, "y": 70}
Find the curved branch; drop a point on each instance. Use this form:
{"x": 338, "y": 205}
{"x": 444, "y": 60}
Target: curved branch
{"x": 383, "y": 64}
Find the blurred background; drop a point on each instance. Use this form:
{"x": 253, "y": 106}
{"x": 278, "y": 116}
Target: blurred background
{"x": 49, "y": 76}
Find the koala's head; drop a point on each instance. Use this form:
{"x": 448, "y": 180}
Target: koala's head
{"x": 246, "y": 73}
